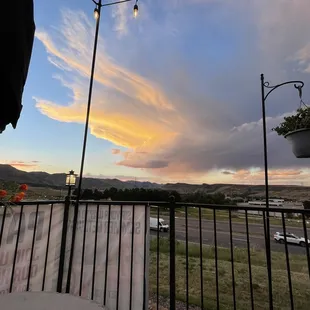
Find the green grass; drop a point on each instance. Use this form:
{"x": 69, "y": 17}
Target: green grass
{"x": 222, "y": 215}
{"x": 45, "y": 193}
{"x": 299, "y": 275}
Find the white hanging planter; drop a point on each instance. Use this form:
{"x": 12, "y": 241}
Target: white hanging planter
{"x": 300, "y": 141}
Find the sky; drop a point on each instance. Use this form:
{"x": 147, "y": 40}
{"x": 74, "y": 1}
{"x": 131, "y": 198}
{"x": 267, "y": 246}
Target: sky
{"x": 176, "y": 96}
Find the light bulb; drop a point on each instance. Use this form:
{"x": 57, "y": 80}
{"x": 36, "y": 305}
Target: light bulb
{"x": 96, "y": 13}
{"x": 135, "y": 10}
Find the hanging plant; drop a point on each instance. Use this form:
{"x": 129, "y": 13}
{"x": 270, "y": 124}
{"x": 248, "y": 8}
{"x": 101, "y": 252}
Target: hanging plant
{"x": 296, "y": 129}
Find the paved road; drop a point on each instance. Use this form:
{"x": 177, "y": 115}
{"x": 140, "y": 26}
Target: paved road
{"x": 256, "y": 234}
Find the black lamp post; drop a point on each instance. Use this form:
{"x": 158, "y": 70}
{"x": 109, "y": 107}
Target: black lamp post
{"x": 97, "y": 15}
{"x": 298, "y": 85}
{"x": 70, "y": 181}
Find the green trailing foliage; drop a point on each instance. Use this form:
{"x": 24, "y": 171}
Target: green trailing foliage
{"x": 300, "y": 120}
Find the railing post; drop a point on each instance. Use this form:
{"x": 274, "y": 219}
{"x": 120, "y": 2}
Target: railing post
{"x": 172, "y": 252}
{"x": 63, "y": 245}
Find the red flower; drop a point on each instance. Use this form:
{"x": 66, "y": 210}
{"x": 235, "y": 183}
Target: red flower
{"x": 23, "y": 187}
{"x": 16, "y": 198}
{"x": 21, "y": 194}
{"x": 3, "y": 193}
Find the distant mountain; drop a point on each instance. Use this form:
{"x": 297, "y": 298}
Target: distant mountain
{"x": 44, "y": 179}
{"x": 57, "y": 180}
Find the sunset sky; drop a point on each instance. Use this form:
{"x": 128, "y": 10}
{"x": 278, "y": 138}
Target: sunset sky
{"x": 176, "y": 96}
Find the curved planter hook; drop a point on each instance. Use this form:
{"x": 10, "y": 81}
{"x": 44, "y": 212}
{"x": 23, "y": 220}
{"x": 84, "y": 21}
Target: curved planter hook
{"x": 272, "y": 88}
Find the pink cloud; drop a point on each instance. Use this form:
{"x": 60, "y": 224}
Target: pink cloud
{"x": 276, "y": 174}
{"x": 116, "y": 151}
{"x": 23, "y": 165}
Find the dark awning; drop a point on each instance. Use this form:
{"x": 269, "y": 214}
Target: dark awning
{"x": 17, "y": 34}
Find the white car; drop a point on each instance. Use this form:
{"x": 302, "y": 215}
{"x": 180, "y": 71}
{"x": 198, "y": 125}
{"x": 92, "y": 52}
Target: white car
{"x": 158, "y": 224}
{"x": 290, "y": 238}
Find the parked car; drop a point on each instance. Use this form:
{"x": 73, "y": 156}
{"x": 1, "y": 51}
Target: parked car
{"x": 290, "y": 238}
{"x": 158, "y": 224}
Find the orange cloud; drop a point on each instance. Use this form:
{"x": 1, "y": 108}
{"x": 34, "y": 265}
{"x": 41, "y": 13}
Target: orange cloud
{"x": 277, "y": 174}
{"x": 127, "y": 109}
{"x": 116, "y": 151}
{"x": 74, "y": 54}
{"x": 172, "y": 129}
{"x": 22, "y": 165}
{"x": 124, "y": 130}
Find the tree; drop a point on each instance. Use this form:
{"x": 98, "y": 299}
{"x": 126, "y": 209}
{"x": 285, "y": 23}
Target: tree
{"x": 160, "y": 195}
{"x": 306, "y": 204}
{"x": 97, "y": 195}
{"x": 87, "y": 194}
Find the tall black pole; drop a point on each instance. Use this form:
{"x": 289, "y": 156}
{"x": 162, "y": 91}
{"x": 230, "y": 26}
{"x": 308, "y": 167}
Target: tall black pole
{"x": 84, "y": 148}
{"x": 88, "y": 105}
{"x": 267, "y": 226}
{"x": 265, "y": 141}
{"x": 69, "y": 191}
{"x": 172, "y": 251}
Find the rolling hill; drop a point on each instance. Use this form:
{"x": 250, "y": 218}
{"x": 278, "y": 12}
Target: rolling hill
{"x": 57, "y": 181}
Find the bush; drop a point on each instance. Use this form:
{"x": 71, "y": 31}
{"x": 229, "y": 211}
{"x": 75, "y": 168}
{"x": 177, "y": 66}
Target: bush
{"x": 306, "y": 204}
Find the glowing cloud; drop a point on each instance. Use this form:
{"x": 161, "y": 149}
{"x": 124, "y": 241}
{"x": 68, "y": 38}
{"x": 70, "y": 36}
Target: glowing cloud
{"x": 172, "y": 117}
{"x": 121, "y": 95}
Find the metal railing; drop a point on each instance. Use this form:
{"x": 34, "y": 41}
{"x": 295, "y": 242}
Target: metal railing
{"x": 213, "y": 256}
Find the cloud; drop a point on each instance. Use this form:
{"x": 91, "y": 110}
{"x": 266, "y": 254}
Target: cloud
{"x": 73, "y": 54}
{"x": 23, "y": 165}
{"x": 239, "y": 148}
{"x": 228, "y": 172}
{"x": 146, "y": 164}
{"x": 180, "y": 105}
{"x": 116, "y": 151}
{"x": 282, "y": 175}
{"x": 122, "y": 96}
{"x": 303, "y": 58}
{"x": 120, "y": 14}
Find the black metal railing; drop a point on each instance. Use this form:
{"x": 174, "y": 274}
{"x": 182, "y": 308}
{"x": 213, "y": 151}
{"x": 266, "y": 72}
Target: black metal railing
{"x": 212, "y": 256}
